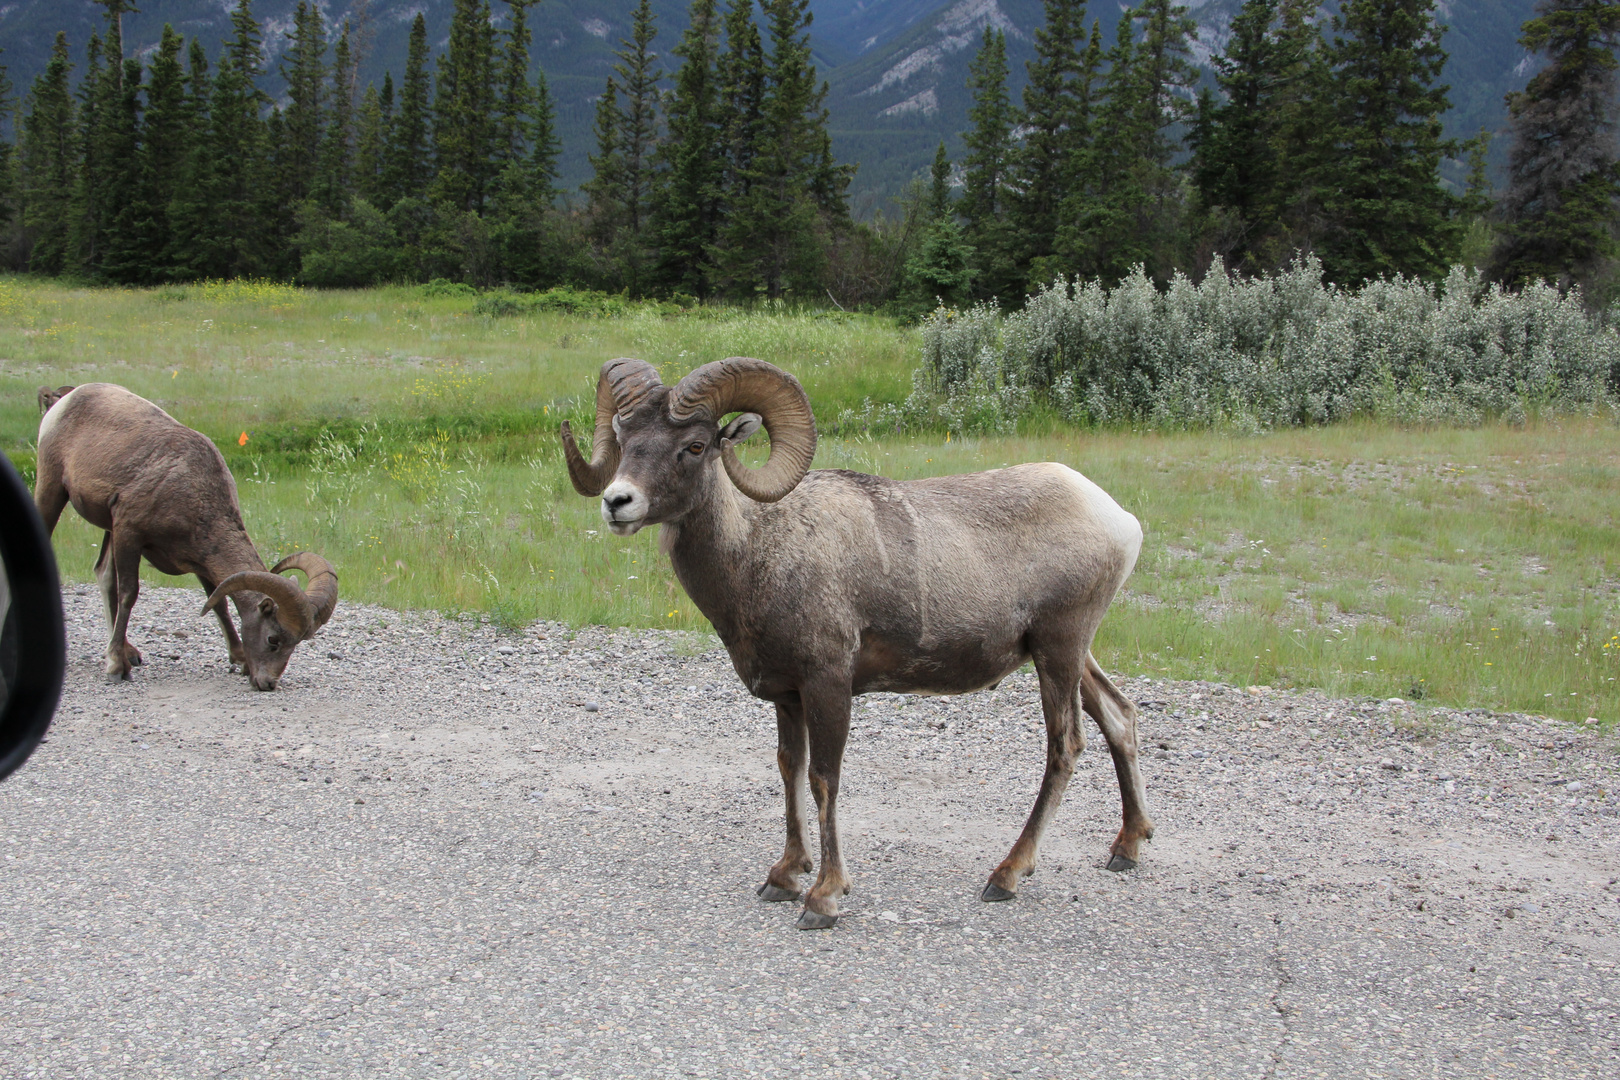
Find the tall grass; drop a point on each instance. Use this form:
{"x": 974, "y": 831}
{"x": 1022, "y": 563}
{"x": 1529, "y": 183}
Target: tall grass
{"x": 1473, "y": 566}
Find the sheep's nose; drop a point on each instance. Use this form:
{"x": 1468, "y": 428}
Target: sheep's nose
{"x": 615, "y": 501}
{"x": 264, "y": 684}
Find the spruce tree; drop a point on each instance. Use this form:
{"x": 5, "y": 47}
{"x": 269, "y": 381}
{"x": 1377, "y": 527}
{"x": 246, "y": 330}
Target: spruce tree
{"x": 1558, "y": 211}
{"x": 234, "y": 234}
{"x": 335, "y": 180}
{"x": 790, "y": 193}
{"x": 463, "y": 110}
{"x": 303, "y": 66}
{"x": 50, "y": 161}
{"x": 408, "y": 163}
{"x": 371, "y": 139}
{"x": 1056, "y": 126}
{"x": 545, "y": 147}
{"x": 1380, "y": 192}
{"x": 686, "y": 202}
{"x": 740, "y": 75}
{"x": 163, "y": 137}
{"x": 986, "y": 169}
{"x": 189, "y": 210}
{"x": 604, "y": 190}
{"x": 941, "y": 270}
{"x": 8, "y": 158}
{"x": 627, "y": 135}
{"x": 1246, "y": 165}
{"x": 514, "y": 100}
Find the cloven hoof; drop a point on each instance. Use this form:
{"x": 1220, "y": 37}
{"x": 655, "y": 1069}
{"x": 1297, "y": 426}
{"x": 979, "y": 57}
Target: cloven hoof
{"x": 1120, "y": 863}
{"x": 815, "y": 920}
{"x": 993, "y": 892}
{"x": 773, "y": 895}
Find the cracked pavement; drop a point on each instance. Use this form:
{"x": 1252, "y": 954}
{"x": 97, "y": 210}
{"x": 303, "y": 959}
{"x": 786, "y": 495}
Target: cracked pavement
{"x": 447, "y": 850}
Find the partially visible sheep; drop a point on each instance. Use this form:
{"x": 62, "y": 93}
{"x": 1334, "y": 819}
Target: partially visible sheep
{"x": 162, "y": 490}
{"x": 49, "y": 397}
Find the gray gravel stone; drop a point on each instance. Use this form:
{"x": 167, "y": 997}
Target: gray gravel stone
{"x": 382, "y": 870}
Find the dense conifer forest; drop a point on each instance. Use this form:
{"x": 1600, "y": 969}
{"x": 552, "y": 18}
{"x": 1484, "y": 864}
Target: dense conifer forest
{"x": 714, "y": 176}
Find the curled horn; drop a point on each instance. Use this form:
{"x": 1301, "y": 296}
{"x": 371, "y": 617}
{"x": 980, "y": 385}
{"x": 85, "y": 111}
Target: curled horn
{"x": 748, "y": 385}
{"x": 293, "y": 610}
{"x": 322, "y": 590}
{"x": 623, "y": 384}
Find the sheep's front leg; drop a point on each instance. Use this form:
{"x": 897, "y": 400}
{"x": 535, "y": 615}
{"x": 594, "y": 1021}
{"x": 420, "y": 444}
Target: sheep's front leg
{"x": 238, "y": 654}
{"x": 826, "y": 713}
{"x": 119, "y": 571}
{"x": 792, "y": 757}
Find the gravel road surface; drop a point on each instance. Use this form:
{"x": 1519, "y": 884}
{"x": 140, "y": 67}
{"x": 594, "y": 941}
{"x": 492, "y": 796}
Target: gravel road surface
{"x": 446, "y": 850}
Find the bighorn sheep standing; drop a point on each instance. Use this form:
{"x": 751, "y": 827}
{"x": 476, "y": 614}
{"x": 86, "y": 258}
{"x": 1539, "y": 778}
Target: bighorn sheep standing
{"x": 162, "y": 490}
{"x": 832, "y": 583}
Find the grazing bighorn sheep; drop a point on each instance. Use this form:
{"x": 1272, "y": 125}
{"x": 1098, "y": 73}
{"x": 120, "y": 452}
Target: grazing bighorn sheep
{"x": 831, "y": 583}
{"x": 49, "y": 397}
{"x": 162, "y": 490}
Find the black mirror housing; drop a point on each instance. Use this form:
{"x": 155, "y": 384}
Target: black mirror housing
{"x": 33, "y": 639}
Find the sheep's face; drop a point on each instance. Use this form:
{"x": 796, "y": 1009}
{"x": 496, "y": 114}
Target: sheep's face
{"x": 266, "y": 642}
{"x": 664, "y": 465}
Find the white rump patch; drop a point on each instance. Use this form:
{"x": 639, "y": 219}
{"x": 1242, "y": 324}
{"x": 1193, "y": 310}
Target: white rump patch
{"x": 1120, "y": 523}
{"x": 47, "y": 423}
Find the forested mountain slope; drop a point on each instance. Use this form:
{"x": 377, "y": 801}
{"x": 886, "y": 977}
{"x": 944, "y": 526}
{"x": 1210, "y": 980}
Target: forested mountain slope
{"x": 897, "y": 68}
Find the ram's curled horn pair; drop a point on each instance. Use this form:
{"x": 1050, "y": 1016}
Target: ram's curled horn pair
{"x": 737, "y": 384}
{"x": 300, "y": 612}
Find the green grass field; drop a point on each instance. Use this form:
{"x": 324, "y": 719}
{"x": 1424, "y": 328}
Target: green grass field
{"x": 413, "y": 443}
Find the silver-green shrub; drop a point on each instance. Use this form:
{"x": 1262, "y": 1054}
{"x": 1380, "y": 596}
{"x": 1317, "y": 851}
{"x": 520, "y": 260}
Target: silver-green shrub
{"x": 1284, "y": 349}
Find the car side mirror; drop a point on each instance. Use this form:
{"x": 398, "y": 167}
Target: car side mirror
{"x": 33, "y": 642}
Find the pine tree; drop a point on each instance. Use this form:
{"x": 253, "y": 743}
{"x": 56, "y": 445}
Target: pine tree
{"x": 335, "y": 180}
{"x": 1245, "y": 167}
{"x": 408, "y": 164}
{"x": 304, "y": 69}
{"x": 371, "y": 139}
{"x": 1043, "y": 168}
{"x": 627, "y": 135}
{"x": 515, "y": 99}
{"x": 50, "y": 161}
{"x": 87, "y": 212}
{"x": 740, "y": 79}
{"x": 986, "y": 169}
{"x": 1558, "y": 212}
{"x": 941, "y": 270}
{"x": 189, "y": 210}
{"x": 1099, "y": 235}
{"x": 686, "y": 203}
{"x": 789, "y": 192}
{"x": 231, "y": 231}
{"x": 463, "y": 110}
{"x": 604, "y": 190}
{"x": 142, "y": 232}
{"x": 8, "y": 159}
{"x": 545, "y": 147}
{"x": 1380, "y": 192}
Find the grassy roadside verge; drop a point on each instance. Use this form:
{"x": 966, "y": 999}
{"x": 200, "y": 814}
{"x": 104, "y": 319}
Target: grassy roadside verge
{"x": 1475, "y": 567}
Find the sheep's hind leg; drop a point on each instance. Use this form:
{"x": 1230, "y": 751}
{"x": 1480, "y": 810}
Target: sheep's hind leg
{"x": 119, "y": 570}
{"x": 826, "y": 711}
{"x": 1116, "y": 716}
{"x": 792, "y": 757}
{"x": 238, "y": 654}
{"x": 1059, "y": 673}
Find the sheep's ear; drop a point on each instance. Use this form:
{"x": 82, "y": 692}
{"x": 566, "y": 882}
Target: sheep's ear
{"x": 267, "y": 607}
{"x": 739, "y": 429}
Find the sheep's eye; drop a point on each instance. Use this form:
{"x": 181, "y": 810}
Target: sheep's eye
{"x": 695, "y": 448}
{"x": 273, "y": 643}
